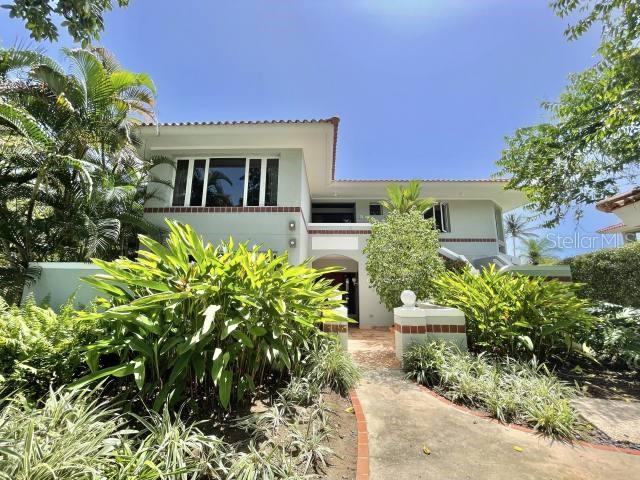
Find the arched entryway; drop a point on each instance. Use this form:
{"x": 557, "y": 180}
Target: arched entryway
{"x": 347, "y": 279}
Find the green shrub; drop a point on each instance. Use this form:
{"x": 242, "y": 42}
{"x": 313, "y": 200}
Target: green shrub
{"x": 402, "y": 253}
{"x": 610, "y": 275}
{"x": 508, "y": 390}
{"x": 74, "y": 435}
{"x": 517, "y": 315}
{"x": 39, "y": 348}
{"x": 616, "y": 338}
{"x": 329, "y": 365}
{"x": 201, "y": 322}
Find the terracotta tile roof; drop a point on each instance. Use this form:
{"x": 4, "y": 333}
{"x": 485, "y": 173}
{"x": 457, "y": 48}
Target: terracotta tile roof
{"x": 618, "y": 201}
{"x": 335, "y": 121}
{"x": 611, "y": 227}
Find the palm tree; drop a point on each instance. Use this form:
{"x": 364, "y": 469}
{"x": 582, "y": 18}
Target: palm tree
{"x": 517, "y": 227}
{"x": 539, "y": 251}
{"x": 71, "y": 182}
{"x": 404, "y": 199}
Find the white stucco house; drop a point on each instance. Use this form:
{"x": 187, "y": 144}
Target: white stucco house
{"x": 626, "y": 206}
{"x": 274, "y": 183}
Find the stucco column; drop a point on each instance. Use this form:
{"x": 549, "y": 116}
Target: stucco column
{"x": 341, "y": 329}
{"x": 409, "y": 324}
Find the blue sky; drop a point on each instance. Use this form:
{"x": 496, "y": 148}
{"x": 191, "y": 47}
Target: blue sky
{"x": 423, "y": 88}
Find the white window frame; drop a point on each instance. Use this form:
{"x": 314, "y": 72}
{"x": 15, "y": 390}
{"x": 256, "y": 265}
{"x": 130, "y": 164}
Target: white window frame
{"x": 207, "y": 158}
{"x": 445, "y": 216}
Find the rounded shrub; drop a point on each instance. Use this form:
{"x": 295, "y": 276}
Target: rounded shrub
{"x": 610, "y": 275}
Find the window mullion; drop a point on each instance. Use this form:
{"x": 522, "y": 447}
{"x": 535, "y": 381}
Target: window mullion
{"x": 187, "y": 196}
{"x": 245, "y": 194}
{"x": 205, "y": 182}
{"x": 263, "y": 180}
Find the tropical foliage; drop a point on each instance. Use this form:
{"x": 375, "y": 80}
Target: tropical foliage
{"x": 609, "y": 275}
{"x": 187, "y": 319}
{"x": 72, "y": 184}
{"x": 511, "y": 391}
{"x": 403, "y": 199}
{"x": 516, "y": 315}
{"x": 75, "y": 435}
{"x": 616, "y": 338}
{"x": 40, "y": 349}
{"x": 402, "y": 253}
{"x": 84, "y": 21}
{"x": 590, "y": 145}
{"x": 539, "y": 251}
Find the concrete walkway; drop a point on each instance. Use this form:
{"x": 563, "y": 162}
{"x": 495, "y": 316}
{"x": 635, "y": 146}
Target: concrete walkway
{"x": 402, "y": 418}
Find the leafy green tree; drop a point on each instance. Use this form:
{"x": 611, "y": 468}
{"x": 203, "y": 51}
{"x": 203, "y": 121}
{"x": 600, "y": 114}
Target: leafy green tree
{"x": 590, "y": 145}
{"x": 84, "y": 20}
{"x": 72, "y": 185}
{"x": 403, "y": 199}
{"x": 402, "y": 253}
{"x": 517, "y": 227}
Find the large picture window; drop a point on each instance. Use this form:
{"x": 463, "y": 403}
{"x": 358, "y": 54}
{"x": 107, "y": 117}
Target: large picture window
{"x": 226, "y": 182}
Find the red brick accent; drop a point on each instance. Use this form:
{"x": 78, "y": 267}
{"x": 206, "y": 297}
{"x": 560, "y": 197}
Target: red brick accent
{"x": 430, "y": 328}
{"x": 334, "y": 327}
{"x": 220, "y": 209}
{"x": 340, "y": 232}
{"x": 362, "y": 460}
{"x": 468, "y": 240}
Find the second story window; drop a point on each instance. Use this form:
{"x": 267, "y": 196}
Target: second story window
{"x": 375, "y": 209}
{"x": 226, "y": 182}
{"x": 440, "y": 215}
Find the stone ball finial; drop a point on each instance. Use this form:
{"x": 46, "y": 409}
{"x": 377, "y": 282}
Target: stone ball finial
{"x": 408, "y": 298}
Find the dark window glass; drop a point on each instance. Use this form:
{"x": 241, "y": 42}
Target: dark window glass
{"x": 180, "y": 183}
{"x": 333, "y": 212}
{"x": 271, "y": 189}
{"x": 440, "y": 214}
{"x": 253, "y": 186}
{"x": 225, "y": 185}
{"x": 197, "y": 182}
{"x": 375, "y": 209}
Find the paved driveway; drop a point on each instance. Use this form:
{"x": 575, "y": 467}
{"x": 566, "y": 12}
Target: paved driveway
{"x": 402, "y": 418}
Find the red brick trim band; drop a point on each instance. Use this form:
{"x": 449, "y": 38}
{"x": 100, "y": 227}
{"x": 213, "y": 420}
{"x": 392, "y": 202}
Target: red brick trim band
{"x": 334, "y": 327}
{"x": 220, "y": 209}
{"x": 468, "y": 240}
{"x": 429, "y": 328}
{"x": 362, "y": 460}
{"x": 339, "y": 232}
{"x": 462, "y": 408}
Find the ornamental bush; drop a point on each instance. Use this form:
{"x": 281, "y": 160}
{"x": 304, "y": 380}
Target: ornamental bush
{"x": 402, "y": 253}
{"x": 39, "y": 348}
{"x": 511, "y": 391}
{"x": 610, "y": 275}
{"x": 194, "y": 321}
{"x": 517, "y": 315}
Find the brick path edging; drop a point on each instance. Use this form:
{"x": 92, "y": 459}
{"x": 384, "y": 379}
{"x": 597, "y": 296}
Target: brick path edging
{"x": 362, "y": 461}
{"x": 462, "y": 408}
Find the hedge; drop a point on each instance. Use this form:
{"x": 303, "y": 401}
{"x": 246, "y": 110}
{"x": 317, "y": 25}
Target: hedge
{"x": 611, "y": 275}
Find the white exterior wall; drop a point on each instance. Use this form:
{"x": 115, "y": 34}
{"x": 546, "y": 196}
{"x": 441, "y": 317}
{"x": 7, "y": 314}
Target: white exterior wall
{"x": 371, "y": 313}
{"x": 60, "y": 280}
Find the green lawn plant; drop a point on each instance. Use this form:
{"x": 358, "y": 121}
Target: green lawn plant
{"x": 517, "y": 315}
{"x": 194, "y": 321}
{"x": 511, "y": 391}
